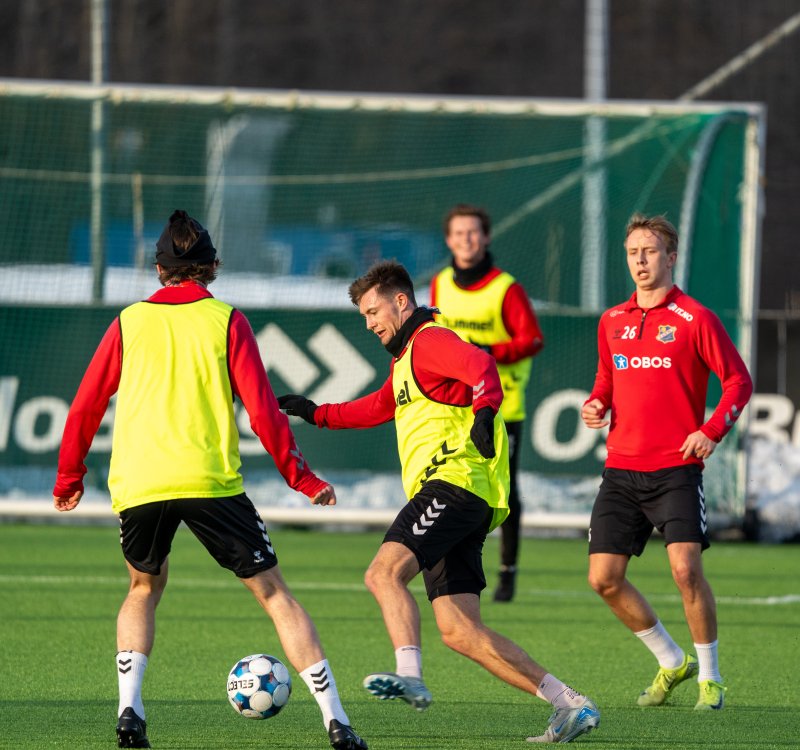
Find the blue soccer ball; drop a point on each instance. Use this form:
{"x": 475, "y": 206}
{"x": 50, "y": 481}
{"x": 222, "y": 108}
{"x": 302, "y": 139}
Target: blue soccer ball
{"x": 259, "y": 686}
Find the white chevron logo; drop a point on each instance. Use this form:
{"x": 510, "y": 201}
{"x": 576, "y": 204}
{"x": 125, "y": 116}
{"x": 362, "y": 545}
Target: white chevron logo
{"x": 301, "y": 462}
{"x": 703, "y": 515}
{"x": 732, "y": 416}
{"x": 426, "y": 519}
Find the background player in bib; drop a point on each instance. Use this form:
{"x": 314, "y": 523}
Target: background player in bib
{"x": 656, "y": 353}
{"x": 487, "y": 307}
{"x": 443, "y": 395}
{"x": 176, "y": 362}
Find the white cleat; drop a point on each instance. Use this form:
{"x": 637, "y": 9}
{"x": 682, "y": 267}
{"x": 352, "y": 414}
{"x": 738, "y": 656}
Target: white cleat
{"x": 388, "y": 685}
{"x": 568, "y": 723}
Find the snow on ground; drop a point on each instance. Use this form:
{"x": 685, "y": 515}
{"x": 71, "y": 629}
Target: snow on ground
{"x": 774, "y": 482}
{"x": 31, "y": 285}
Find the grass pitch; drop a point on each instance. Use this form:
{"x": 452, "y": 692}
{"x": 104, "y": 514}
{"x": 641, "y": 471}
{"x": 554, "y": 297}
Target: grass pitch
{"x": 61, "y": 587}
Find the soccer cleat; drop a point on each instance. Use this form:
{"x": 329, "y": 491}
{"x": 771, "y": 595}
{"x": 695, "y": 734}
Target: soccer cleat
{"x": 568, "y": 723}
{"x": 666, "y": 681}
{"x": 131, "y": 730}
{"x": 343, "y": 737}
{"x": 712, "y": 696}
{"x": 388, "y": 685}
{"x": 505, "y": 587}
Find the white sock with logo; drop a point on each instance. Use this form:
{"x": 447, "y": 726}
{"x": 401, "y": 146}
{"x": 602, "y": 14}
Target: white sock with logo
{"x": 708, "y": 661}
{"x": 319, "y": 679}
{"x": 130, "y": 673}
{"x": 409, "y": 661}
{"x": 669, "y": 654}
{"x": 559, "y": 695}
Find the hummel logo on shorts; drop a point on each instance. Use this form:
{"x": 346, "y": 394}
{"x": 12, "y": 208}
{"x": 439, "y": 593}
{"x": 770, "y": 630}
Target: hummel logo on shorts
{"x": 426, "y": 519}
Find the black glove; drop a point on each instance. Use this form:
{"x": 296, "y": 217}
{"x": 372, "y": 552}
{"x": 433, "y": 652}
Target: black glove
{"x": 482, "y": 432}
{"x": 298, "y": 406}
{"x": 483, "y": 347}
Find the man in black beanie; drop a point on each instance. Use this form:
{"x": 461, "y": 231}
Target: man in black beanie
{"x": 176, "y": 362}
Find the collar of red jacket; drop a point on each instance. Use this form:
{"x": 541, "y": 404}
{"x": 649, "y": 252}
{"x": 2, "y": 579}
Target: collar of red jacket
{"x": 672, "y": 295}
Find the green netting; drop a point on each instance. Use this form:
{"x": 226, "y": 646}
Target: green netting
{"x": 301, "y": 199}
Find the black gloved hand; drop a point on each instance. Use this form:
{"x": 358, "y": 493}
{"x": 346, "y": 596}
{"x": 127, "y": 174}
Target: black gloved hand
{"x": 298, "y": 406}
{"x": 483, "y": 347}
{"x": 482, "y": 432}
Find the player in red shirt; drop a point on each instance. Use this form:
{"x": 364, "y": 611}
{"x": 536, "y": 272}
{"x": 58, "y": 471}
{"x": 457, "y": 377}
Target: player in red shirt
{"x": 443, "y": 395}
{"x": 175, "y": 362}
{"x": 656, "y": 352}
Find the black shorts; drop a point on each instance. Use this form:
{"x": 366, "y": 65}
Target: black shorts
{"x": 631, "y": 503}
{"x": 445, "y": 527}
{"x": 228, "y": 527}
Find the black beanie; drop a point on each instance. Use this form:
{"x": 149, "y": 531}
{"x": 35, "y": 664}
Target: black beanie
{"x": 169, "y": 256}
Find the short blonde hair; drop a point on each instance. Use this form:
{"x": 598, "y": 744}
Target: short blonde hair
{"x": 659, "y": 225}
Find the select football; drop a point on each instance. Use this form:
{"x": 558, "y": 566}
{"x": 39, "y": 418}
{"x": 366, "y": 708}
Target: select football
{"x": 259, "y": 686}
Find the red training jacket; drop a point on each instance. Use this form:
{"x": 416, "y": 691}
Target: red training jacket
{"x": 445, "y": 368}
{"x": 653, "y": 374}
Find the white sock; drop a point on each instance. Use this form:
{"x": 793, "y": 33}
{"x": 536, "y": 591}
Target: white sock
{"x": 130, "y": 672}
{"x": 319, "y": 679}
{"x": 708, "y": 661}
{"x": 559, "y": 695}
{"x": 669, "y": 654}
{"x": 409, "y": 661}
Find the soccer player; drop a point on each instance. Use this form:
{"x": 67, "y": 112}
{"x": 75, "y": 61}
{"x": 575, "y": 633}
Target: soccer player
{"x": 656, "y": 352}
{"x": 176, "y": 362}
{"x": 443, "y": 395}
{"x": 487, "y": 307}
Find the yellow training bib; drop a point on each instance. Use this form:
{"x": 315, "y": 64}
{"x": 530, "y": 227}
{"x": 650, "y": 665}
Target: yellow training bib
{"x": 174, "y": 430}
{"x": 434, "y": 443}
{"x": 477, "y": 316}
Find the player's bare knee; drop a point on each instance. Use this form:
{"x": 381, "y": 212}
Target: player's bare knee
{"x": 686, "y": 577}
{"x": 376, "y": 578}
{"x": 462, "y": 636}
{"x": 455, "y": 640}
{"x": 605, "y": 586}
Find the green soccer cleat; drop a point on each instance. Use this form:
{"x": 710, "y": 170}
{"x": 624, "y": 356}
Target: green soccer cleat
{"x": 568, "y": 723}
{"x": 666, "y": 681}
{"x": 712, "y": 696}
{"x": 388, "y": 685}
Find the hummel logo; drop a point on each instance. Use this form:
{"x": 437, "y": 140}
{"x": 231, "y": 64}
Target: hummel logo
{"x": 732, "y": 416}
{"x": 426, "y": 519}
{"x": 437, "y": 462}
{"x": 703, "y": 516}
{"x": 124, "y": 663}
{"x": 320, "y": 680}
{"x": 301, "y": 462}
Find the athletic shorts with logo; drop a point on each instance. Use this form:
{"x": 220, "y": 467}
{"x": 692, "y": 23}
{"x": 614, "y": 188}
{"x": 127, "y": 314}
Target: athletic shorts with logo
{"x": 630, "y": 504}
{"x": 228, "y": 527}
{"x": 445, "y": 527}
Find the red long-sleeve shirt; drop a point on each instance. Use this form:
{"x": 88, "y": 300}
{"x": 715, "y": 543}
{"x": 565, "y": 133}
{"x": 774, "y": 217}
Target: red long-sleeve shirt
{"x": 248, "y": 380}
{"x": 519, "y": 320}
{"x": 446, "y": 370}
{"x": 653, "y": 373}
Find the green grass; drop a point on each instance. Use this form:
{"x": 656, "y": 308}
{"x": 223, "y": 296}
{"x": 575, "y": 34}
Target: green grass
{"x": 61, "y": 587}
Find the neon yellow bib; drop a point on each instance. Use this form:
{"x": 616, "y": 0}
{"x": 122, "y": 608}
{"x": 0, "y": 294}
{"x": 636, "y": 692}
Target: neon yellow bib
{"x": 477, "y": 316}
{"x": 433, "y": 442}
{"x": 174, "y": 430}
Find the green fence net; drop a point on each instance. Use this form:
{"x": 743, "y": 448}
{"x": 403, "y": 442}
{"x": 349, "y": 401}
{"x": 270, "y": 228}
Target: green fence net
{"x": 302, "y": 194}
